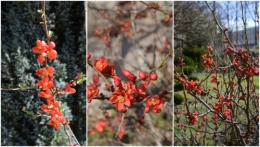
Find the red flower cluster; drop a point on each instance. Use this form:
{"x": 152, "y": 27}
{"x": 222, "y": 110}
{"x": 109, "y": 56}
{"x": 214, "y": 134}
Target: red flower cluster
{"x": 192, "y": 86}
{"x": 56, "y": 115}
{"x": 243, "y": 62}
{"x": 208, "y": 62}
{"x": 128, "y": 92}
{"x": 154, "y": 103}
{"x": 214, "y": 79}
{"x": 93, "y": 90}
{"x": 193, "y": 118}
{"x": 45, "y": 50}
{"x": 105, "y": 125}
{"x": 126, "y": 26}
{"x": 46, "y": 85}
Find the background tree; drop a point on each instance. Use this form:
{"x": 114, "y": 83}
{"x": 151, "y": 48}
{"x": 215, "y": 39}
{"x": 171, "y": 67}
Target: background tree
{"x": 192, "y": 24}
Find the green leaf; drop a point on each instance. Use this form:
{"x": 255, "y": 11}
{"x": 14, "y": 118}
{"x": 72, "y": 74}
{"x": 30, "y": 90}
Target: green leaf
{"x": 40, "y": 11}
{"x": 163, "y": 61}
{"x": 50, "y": 34}
{"x": 62, "y": 107}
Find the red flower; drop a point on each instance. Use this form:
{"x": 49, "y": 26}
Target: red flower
{"x": 101, "y": 126}
{"x": 217, "y": 108}
{"x": 95, "y": 78}
{"x": 129, "y": 87}
{"x": 155, "y": 103}
{"x": 56, "y": 119}
{"x": 51, "y": 46}
{"x": 45, "y": 71}
{"x": 101, "y": 64}
{"x": 141, "y": 90}
{"x": 69, "y": 89}
{"x": 153, "y": 76}
{"x": 45, "y": 83}
{"x": 52, "y": 55}
{"x": 121, "y": 134}
{"x": 56, "y": 115}
{"x": 117, "y": 81}
{"x": 210, "y": 49}
{"x": 45, "y": 50}
{"x": 227, "y": 112}
{"x": 92, "y": 132}
{"x": 214, "y": 79}
{"x": 106, "y": 40}
{"x": 93, "y": 91}
{"x": 256, "y": 70}
{"x": 40, "y": 47}
{"x": 207, "y": 61}
{"x": 199, "y": 90}
{"x": 128, "y": 74}
{"x": 192, "y": 86}
{"x": 142, "y": 75}
{"x": 193, "y": 118}
{"x": 121, "y": 99}
{"x": 88, "y": 56}
{"x": 41, "y": 57}
{"x": 46, "y": 94}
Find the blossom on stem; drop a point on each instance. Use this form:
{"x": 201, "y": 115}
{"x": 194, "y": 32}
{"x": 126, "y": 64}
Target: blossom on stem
{"x": 121, "y": 99}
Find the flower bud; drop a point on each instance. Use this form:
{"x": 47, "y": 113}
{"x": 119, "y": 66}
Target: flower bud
{"x": 142, "y": 75}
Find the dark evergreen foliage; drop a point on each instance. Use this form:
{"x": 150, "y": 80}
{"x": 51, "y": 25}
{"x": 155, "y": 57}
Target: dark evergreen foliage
{"x": 20, "y": 28}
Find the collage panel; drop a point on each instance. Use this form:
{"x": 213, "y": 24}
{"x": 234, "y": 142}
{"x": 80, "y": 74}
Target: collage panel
{"x": 216, "y": 73}
{"x": 129, "y": 73}
{"x": 43, "y": 73}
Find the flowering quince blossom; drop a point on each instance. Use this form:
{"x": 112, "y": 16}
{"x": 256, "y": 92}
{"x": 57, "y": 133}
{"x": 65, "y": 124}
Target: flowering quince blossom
{"x": 127, "y": 92}
{"x": 192, "y": 86}
{"x": 154, "y": 103}
{"x": 128, "y": 74}
{"x": 45, "y": 83}
{"x": 45, "y": 71}
{"x": 208, "y": 62}
{"x": 121, "y": 134}
{"x": 46, "y": 94}
{"x": 227, "y": 112}
{"x": 93, "y": 91}
{"x": 101, "y": 126}
{"x": 121, "y": 99}
{"x": 56, "y": 115}
{"x": 69, "y": 89}
{"x": 45, "y": 51}
{"x": 193, "y": 118}
{"x": 101, "y": 64}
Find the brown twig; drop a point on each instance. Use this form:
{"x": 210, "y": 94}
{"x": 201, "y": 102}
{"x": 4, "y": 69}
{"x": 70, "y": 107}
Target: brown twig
{"x": 220, "y": 27}
{"x": 120, "y": 125}
{"x": 64, "y": 127}
{"x": 72, "y": 134}
{"x": 45, "y": 65}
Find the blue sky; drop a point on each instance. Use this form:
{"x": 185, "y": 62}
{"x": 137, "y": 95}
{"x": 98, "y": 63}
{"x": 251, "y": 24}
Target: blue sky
{"x": 231, "y": 8}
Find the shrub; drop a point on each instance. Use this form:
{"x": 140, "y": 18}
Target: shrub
{"x": 177, "y": 86}
{"x": 178, "y": 99}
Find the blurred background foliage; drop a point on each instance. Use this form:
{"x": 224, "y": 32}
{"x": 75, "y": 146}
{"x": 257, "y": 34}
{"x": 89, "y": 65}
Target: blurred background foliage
{"x": 20, "y": 28}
